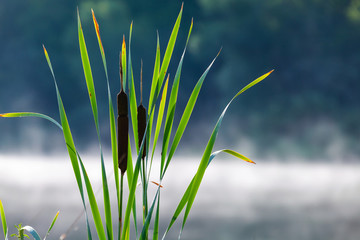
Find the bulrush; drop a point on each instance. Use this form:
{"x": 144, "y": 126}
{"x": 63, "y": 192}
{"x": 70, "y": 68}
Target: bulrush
{"x": 122, "y": 123}
{"x": 141, "y": 115}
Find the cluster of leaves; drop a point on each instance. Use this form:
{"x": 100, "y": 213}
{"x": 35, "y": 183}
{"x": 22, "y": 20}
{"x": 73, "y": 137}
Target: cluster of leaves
{"x": 145, "y": 148}
{"x": 20, "y": 235}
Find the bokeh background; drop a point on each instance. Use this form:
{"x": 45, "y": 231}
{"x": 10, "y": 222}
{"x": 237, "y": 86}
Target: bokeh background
{"x": 307, "y": 110}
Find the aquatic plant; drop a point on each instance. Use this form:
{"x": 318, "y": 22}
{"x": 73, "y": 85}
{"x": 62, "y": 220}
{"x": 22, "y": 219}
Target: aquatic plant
{"x": 143, "y": 123}
{"x": 21, "y": 230}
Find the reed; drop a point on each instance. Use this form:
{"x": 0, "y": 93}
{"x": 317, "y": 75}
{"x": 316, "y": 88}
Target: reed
{"x": 144, "y": 122}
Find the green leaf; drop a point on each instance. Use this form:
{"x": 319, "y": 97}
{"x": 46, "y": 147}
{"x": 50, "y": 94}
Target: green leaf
{"x": 3, "y": 220}
{"x": 169, "y": 49}
{"x": 172, "y": 104}
{"x": 92, "y": 97}
{"x": 160, "y": 116}
{"x": 231, "y": 152}
{"x": 207, "y": 153}
{"x": 93, "y": 204}
{"x": 186, "y": 116}
{"x": 156, "y": 223}
{"x": 155, "y": 74}
{"x": 87, "y": 72}
{"x": 52, "y": 224}
{"x": 144, "y": 231}
{"x": 69, "y": 142}
{"x": 130, "y": 173}
{"x": 132, "y": 96}
{"x": 180, "y": 207}
{"x": 30, "y": 114}
{"x": 186, "y": 195}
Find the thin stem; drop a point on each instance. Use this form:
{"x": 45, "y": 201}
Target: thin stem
{"x": 141, "y": 85}
{"x": 121, "y": 73}
{"x": 121, "y": 198}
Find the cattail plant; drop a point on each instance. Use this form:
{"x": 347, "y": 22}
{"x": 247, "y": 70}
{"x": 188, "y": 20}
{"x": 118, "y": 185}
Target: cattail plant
{"x": 142, "y": 122}
{"x": 122, "y": 122}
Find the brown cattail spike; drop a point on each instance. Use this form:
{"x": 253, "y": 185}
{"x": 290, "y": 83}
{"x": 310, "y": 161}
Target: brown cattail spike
{"x": 141, "y": 114}
{"x": 123, "y": 125}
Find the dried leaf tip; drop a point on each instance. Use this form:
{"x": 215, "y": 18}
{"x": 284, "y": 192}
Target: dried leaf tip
{"x": 2, "y": 115}
{"x": 123, "y": 44}
{"x": 44, "y": 50}
{"x": 95, "y": 22}
{"x": 157, "y": 184}
{"x": 219, "y": 52}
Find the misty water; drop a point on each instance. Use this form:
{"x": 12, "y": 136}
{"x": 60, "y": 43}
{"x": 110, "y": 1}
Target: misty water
{"x": 237, "y": 200}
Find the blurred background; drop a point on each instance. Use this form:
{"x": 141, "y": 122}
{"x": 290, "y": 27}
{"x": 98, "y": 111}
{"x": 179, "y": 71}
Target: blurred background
{"x": 308, "y": 108}
{"x": 306, "y": 111}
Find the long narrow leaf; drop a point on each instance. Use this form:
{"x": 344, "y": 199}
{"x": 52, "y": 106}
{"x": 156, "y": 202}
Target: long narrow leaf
{"x": 180, "y": 207}
{"x": 30, "y": 114}
{"x": 144, "y": 231}
{"x": 51, "y": 225}
{"x": 69, "y": 142}
{"x": 186, "y": 195}
{"x": 207, "y": 153}
{"x": 130, "y": 173}
{"x": 32, "y": 231}
{"x": 92, "y": 97}
{"x": 169, "y": 50}
{"x": 87, "y": 72}
{"x": 186, "y": 115}
{"x": 93, "y": 204}
{"x": 172, "y": 104}
{"x": 156, "y": 223}
{"x": 112, "y": 124}
{"x": 132, "y": 95}
{"x": 155, "y": 73}
{"x": 3, "y": 220}
{"x": 231, "y": 152}
{"x": 160, "y": 117}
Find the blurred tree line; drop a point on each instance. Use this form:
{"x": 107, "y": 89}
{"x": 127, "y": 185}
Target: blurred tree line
{"x": 309, "y": 107}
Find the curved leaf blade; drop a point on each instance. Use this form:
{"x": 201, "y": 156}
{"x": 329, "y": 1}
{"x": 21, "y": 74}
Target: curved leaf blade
{"x": 207, "y": 153}
{"x": 231, "y": 152}
{"x": 52, "y": 224}
{"x": 32, "y": 231}
{"x": 169, "y": 49}
{"x": 172, "y": 104}
{"x": 30, "y": 114}
{"x": 186, "y": 115}
{"x": 69, "y": 142}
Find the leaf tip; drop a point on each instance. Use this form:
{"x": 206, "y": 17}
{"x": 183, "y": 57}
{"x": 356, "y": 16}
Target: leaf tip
{"x": 219, "y": 52}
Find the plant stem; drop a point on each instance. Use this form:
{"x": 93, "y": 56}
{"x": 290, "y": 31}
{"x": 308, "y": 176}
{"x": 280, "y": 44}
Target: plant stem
{"x": 120, "y": 210}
